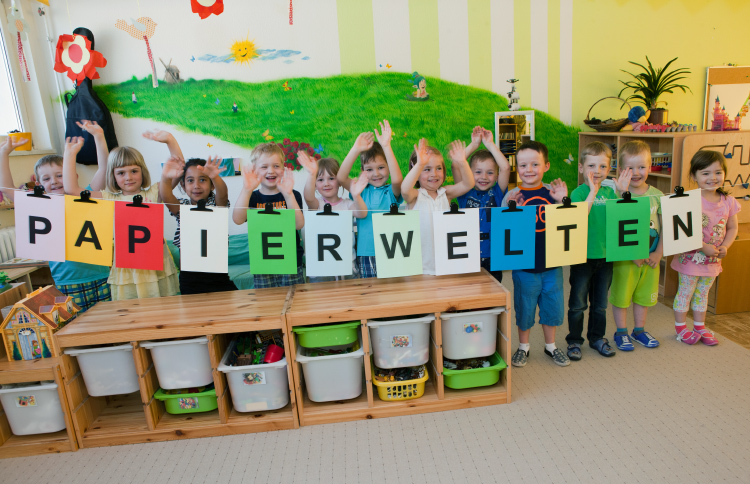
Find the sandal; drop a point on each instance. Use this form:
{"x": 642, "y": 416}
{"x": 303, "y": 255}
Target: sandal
{"x": 708, "y": 338}
{"x": 689, "y": 337}
{"x": 574, "y": 351}
{"x": 602, "y": 346}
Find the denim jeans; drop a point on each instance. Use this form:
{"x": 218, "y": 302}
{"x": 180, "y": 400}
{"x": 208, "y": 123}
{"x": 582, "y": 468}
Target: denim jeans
{"x": 588, "y": 281}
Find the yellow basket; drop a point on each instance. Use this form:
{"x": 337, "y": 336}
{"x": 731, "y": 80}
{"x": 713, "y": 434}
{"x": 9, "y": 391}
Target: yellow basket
{"x": 400, "y": 390}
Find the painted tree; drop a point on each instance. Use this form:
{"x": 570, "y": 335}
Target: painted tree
{"x": 16, "y": 353}
{"x": 45, "y": 350}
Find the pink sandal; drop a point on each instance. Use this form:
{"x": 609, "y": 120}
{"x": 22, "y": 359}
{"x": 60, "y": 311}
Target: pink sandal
{"x": 689, "y": 337}
{"x": 708, "y": 337}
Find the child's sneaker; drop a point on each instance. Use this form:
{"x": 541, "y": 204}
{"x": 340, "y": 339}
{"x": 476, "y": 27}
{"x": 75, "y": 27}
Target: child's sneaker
{"x": 520, "y": 358}
{"x": 557, "y": 356}
{"x": 645, "y": 339}
{"x": 689, "y": 337}
{"x": 708, "y": 337}
{"x": 623, "y": 343}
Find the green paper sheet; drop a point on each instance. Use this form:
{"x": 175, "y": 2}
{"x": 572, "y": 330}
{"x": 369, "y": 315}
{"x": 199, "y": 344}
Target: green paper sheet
{"x": 395, "y": 228}
{"x": 628, "y": 229}
{"x": 272, "y": 242}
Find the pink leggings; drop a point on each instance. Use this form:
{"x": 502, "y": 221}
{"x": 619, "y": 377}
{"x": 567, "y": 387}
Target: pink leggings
{"x": 695, "y": 288}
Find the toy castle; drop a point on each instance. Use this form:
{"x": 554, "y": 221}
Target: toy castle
{"x": 722, "y": 122}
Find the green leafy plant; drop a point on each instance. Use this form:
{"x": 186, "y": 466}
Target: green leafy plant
{"x": 648, "y": 85}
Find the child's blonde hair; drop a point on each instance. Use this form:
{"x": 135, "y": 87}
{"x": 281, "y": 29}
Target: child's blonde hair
{"x": 595, "y": 148}
{"x": 121, "y": 157}
{"x": 328, "y": 165}
{"x": 266, "y": 149}
{"x": 433, "y": 151}
{"x": 633, "y": 148}
{"x": 47, "y": 160}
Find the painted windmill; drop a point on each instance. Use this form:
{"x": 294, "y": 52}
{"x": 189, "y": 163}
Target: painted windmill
{"x": 142, "y": 29}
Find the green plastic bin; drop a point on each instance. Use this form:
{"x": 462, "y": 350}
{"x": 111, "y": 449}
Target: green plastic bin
{"x": 188, "y": 400}
{"x": 478, "y": 377}
{"x": 328, "y": 335}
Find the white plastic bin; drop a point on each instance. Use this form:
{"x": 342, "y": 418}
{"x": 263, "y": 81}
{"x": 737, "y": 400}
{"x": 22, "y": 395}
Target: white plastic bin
{"x": 32, "y": 408}
{"x": 256, "y": 387}
{"x": 107, "y": 370}
{"x": 471, "y": 334}
{"x": 334, "y": 377}
{"x": 181, "y": 363}
{"x": 402, "y": 342}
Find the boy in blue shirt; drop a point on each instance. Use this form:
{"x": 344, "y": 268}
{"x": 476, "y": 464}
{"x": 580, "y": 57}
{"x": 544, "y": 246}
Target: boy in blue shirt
{"x": 378, "y": 162}
{"x": 539, "y": 286}
{"x": 491, "y": 172}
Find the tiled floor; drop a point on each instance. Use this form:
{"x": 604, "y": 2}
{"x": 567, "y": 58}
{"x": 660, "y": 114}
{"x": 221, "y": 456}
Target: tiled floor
{"x": 671, "y": 414}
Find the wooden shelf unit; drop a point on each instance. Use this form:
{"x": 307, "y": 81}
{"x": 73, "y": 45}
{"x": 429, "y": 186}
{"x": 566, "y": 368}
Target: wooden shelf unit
{"x": 25, "y": 445}
{"x": 139, "y": 417}
{"x": 363, "y": 299}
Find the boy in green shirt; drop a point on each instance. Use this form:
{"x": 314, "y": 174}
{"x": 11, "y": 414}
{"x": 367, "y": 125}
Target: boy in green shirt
{"x": 591, "y": 280}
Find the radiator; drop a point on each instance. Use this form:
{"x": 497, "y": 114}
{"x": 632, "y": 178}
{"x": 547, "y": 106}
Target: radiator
{"x": 7, "y": 243}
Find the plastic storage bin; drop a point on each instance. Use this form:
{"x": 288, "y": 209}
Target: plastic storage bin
{"x": 107, "y": 370}
{"x": 477, "y": 377}
{"x": 400, "y": 390}
{"x": 400, "y": 343}
{"x": 256, "y": 387}
{"x": 471, "y": 334}
{"x": 333, "y": 377}
{"x": 188, "y": 400}
{"x": 328, "y": 335}
{"x": 32, "y": 408}
{"x": 181, "y": 363}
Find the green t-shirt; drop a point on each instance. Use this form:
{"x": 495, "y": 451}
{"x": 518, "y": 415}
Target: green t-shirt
{"x": 654, "y": 200}
{"x": 597, "y": 218}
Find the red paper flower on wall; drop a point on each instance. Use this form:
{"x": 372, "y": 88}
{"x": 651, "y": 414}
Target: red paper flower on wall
{"x": 204, "y": 8}
{"x": 75, "y": 57}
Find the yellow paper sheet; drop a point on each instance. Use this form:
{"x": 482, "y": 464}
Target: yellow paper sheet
{"x": 91, "y": 227}
{"x": 566, "y": 234}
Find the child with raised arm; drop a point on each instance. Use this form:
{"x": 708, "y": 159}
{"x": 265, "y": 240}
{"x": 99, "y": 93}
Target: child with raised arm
{"x": 637, "y": 281}
{"x": 423, "y": 190}
{"x": 491, "y": 171}
{"x": 199, "y": 180}
{"x": 698, "y": 269}
{"x": 378, "y": 162}
{"x": 539, "y": 286}
{"x": 85, "y": 283}
{"x": 276, "y": 187}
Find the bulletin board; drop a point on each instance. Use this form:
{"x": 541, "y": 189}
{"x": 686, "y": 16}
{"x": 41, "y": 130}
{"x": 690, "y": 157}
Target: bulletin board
{"x": 732, "y": 85}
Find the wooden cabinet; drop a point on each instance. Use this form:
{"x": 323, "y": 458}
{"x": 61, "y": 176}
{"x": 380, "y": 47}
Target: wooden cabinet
{"x": 729, "y": 294}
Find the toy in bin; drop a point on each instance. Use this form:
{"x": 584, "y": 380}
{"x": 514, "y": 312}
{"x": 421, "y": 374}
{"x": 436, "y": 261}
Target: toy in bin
{"x": 257, "y": 348}
{"x": 472, "y": 372}
{"x": 188, "y": 400}
{"x": 398, "y": 384}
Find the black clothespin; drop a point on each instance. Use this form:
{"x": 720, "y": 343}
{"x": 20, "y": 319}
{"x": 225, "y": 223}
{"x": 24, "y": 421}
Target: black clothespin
{"x": 269, "y": 209}
{"x": 394, "y": 210}
{"x": 453, "y": 210}
{"x": 85, "y": 197}
{"x": 327, "y": 210}
{"x": 137, "y": 202}
{"x": 512, "y": 207}
{"x": 679, "y": 192}
{"x": 627, "y": 198}
{"x": 201, "y": 207}
{"x": 38, "y": 192}
{"x": 566, "y": 203}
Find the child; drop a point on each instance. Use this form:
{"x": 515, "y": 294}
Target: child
{"x": 637, "y": 281}
{"x": 198, "y": 179}
{"x": 427, "y": 172}
{"x": 591, "y": 279}
{"x": 127, "y": 176}
{"x": 698, "y": 269}
{"x": 539, "y": 286}
{"x": 85, "y": 283}
{"x": 378, "y": 161}
{"x": 322, "y": 176}
{"x": 491, "y": 172}
{"x": 277, "y": 188}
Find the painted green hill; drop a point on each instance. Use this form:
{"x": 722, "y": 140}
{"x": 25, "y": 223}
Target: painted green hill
{"x": 331, "y": 112}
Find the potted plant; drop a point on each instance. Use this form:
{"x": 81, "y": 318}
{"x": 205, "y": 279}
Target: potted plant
{"x": 648, "y": 85}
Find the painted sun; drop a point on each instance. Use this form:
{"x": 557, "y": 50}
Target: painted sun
{"x": 244, "y": 51}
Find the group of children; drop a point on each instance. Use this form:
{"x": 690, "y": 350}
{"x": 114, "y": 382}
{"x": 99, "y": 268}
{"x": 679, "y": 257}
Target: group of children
{"x": 480, "y": 181}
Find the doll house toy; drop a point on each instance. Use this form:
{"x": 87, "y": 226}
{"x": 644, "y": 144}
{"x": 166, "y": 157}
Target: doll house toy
{"x": 27, "y": 330}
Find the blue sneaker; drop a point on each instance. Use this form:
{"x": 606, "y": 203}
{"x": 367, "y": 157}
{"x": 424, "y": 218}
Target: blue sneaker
{"x": 623, "y": 343}
{"x": 645, "y": 339}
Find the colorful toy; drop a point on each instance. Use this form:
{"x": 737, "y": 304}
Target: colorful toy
{"x": 420, "y": 84}
{"x": 722, "y": 122}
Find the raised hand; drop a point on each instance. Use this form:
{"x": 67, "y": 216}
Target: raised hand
{"x": 212, "y": 168}
{"x": 73, "y": 145}
{"x": 457, "y": 151}
{"x": 173, "y": 168}
{"x": 91, "y": 127}
{"x": 309, "y": 163}
{"x": 358, "y": 185}
{"x": 487, "y": 137}
{"x": 476, "y": 135}
{"x": 250, "y": 180}
{"x": 158, "y": 135}
{"x": 286, "y": 185}
{"x": 623, "y": 181}
{"x": 558, "y": 190}
{"x": 591, "y": 183}
{"x": 421, "y": 150}
{"x": 386, "y": 134}
{"x": 364, "y": 141}
{"x": 11, "y": 145}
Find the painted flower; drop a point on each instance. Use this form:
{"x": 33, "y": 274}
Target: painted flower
{"x": 204, "y": 8}
{"x": 75, "y": 57}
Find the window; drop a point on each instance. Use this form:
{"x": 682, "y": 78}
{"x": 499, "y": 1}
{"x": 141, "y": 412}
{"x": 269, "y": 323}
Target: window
{"x": 10, "y": 117}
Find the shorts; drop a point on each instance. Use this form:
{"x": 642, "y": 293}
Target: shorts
{"x": 367, "y": 266}
{"x": 262, "y": 281}
{"x": 631, "y": 283}
{"x": 543, "y": 289}
{"x": 86, "y": 294}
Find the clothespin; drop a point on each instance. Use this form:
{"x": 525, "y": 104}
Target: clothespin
{"x": 137, "y": 202}
{"x": 566, "y": 203}
{"x": 38, "y": 192}
{"x": 627, "y": 198}
{"x": 512, "y": 207}
{"x": 201, "y": 207}
{"x": 394, "y": 210}
{"x": 327, "y": 210}
{"x": 269, "y": 209}
{"x": 85, "y": 197}
{"x": 678, "y": 192}
{"x": 453, "y": 210}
